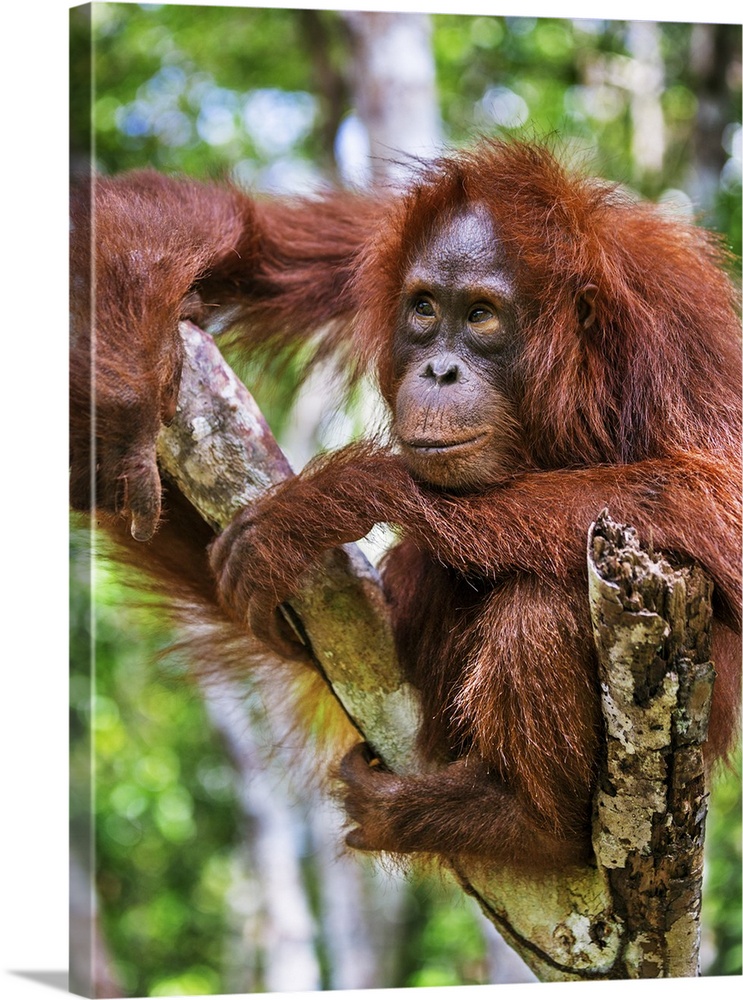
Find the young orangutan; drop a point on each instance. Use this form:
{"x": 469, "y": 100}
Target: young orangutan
{"x": 548, "y": 347}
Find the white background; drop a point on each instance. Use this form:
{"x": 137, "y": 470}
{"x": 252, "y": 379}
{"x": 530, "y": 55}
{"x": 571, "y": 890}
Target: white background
{"x": 33, "y": 483}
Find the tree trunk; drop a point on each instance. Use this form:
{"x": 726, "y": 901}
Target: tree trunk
{"x": 283, "y": 935}
{"x": 645, "y": 83}
{"x": 393, "y": 81}
{"x": 712, "y": 49}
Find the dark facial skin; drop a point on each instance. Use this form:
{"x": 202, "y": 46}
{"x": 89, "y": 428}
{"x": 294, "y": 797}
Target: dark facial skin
{"x": 454, "y": 348}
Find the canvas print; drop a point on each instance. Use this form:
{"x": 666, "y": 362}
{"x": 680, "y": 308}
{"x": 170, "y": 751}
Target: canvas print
{"x": 405, "y": 484}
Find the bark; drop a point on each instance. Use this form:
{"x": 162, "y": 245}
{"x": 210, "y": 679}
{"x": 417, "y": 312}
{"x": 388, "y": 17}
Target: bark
{"x": 221, "y": 453}
{"x": 635, "y": 913}
{"x": 653, "y": 631}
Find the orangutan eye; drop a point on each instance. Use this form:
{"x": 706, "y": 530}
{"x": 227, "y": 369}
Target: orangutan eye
{"x": 424, "y": 307}
{"x": 484, "y": 319}
{"x": 480, "y": 315}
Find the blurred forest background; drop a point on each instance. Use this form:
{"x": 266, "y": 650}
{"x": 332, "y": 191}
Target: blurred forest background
{"x": 214, "y": 862}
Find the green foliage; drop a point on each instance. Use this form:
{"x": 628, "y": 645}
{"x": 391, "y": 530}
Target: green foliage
{"x": 257, "y": 93}
{"x": 445, "y": 945}
{"x": 571, "y": 78}
{"x": 721, "y": 904}
{"x": 163, "y": 798}
{"x": 213, "y": 91}
{"x": 192, "y": 88}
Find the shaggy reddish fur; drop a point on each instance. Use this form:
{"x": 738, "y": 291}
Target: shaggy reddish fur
{"x": 168, "y": 249}
{"x": 640, "y": 413}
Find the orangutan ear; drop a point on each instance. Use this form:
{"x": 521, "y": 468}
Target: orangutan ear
{"x": 584, "y": 306}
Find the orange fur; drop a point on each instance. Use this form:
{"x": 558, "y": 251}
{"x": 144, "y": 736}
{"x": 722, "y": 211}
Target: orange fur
{"x": 638, "y": 412}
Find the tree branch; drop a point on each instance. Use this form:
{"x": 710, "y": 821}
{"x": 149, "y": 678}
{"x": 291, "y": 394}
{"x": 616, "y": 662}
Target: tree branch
{"x": 636, "y": 912}
{"x": 652, "y": 625}
{"x": 222, "y": 455}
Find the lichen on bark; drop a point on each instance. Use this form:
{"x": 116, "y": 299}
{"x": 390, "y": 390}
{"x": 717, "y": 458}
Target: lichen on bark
{"x": 652, "y": 625}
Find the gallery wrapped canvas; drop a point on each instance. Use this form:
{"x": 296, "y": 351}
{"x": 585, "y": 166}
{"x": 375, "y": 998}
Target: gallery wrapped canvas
{"x": 429, "y": 683}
